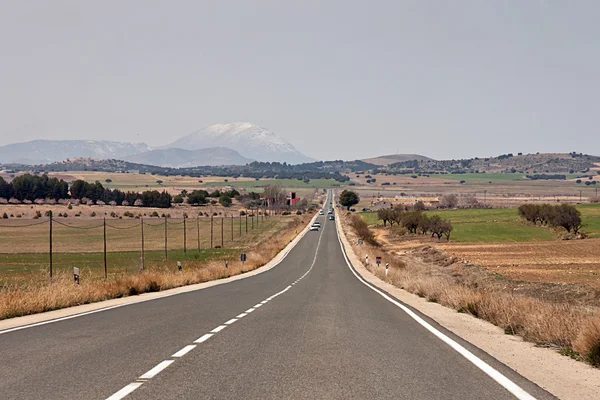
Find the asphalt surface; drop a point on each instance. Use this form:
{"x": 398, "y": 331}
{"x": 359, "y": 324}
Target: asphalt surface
{"x": 325, "y": 335}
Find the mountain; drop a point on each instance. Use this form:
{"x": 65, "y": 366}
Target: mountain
{"x": 47, "y": 151}
{"x": 394, "y": 158}
{"x": 180, "y": 158}
{"x": 248, "y": 139}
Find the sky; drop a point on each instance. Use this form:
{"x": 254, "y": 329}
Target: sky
{"x": 337, "y": 79}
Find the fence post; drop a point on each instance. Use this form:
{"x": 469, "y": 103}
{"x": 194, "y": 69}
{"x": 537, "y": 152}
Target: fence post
{"x": 184, "y": 236}
{"x": 166, "y": 243}
{"x": 198, "y": 227}
{"x": 222, "y": 225}
{"x": 211, "y": 231}
{"x": 143, "y": 255}
{"x": 50, "y": 246}
{"x": 105, "y": 266}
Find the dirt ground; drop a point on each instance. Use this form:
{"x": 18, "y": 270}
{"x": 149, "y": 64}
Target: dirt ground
{"x": 561, "y": 262}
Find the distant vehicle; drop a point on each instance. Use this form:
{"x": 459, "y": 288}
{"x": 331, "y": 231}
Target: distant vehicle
{"x": 330, "y": 212}
{"x": 314, "y": 228}
{"x": 321, "y": 212}
{"x": 331, "y": 217}
{"x": 317, "y": 223}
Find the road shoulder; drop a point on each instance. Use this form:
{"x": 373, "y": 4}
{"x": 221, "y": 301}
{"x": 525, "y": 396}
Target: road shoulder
{"x": 559, "y": 375}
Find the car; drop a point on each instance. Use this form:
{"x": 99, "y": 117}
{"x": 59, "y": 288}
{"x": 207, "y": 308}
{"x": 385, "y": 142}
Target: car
{"x": 331, "y": 217}
{"x": 330, "y": 212}
{"x": 314, "y": 228}
{"x": 321, "y": 212}
{"x": 316, "y": 223}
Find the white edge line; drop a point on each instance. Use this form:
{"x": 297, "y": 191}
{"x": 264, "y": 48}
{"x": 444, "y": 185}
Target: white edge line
{"x": 156, "y": 370}
{"x": 231, "y": 321}
{"x": 125, "y": 391}
{"x": 242, "y": 276}
{"x": 506, "y": 383}
{"x": 204, "y": 338}
{"x": 218, "y": 329}
{"x": 184, "y": 351}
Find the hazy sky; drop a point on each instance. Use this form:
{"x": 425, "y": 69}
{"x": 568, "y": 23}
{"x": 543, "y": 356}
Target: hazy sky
{"x": 338, "y": 79}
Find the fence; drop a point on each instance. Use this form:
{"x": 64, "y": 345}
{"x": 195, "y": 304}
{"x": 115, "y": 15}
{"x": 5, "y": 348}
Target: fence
{"x": 117, "y": 245}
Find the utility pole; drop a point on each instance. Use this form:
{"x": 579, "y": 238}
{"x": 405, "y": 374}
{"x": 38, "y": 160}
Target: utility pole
{"x": 198, "y": 227}
{"x": 166, "y": 240}
{"x": 143, "y": 255}
{"x": 50, "y": 246}
{"x": 105, "y": 266}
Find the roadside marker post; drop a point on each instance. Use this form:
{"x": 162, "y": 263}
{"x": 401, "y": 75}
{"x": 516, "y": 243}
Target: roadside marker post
{"x": 179, "y": 266}
{"x": 243, "y": 258}
{"x": 226, "y": 266}
{"x": 387, "y": 266}
{"x": 367, "y": 259}
{"x": 76, "y": 275}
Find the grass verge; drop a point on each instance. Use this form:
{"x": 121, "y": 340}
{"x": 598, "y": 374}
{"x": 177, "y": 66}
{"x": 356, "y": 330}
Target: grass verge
{"x": 22, "y": 300}
{"x": 570, "y": 328}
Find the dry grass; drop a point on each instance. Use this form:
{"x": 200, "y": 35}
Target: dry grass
{"x": 63, "y": 293}
{"x": 568, "y": 327}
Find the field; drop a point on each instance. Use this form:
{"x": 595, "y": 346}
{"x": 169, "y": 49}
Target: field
{"x": 285, "y": 183}
{"x": 24, "y": 249}
{"x": 502, "y": 225}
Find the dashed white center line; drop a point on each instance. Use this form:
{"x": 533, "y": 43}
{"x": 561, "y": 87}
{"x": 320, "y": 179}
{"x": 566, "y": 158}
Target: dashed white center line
{"x": 258, "y": 305}
{"x": 125, "y": 391}
{"x": 242, "y": 315}
{"x": 156, "y": 370}
{"x": 248, "y": 311}
{"x": 264, "y": 302}
{"x": 204, "y": 338}
{"x": 231, "y": 321}
{"x": 184, "y": 351}
{"x": 218, "y": 329}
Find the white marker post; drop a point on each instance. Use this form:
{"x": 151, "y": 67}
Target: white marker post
{"x": 387, "y": 266}
{"x": 76, "y": 275}
{"x": 367, "y": 259}
{"x": 179, "y": 266}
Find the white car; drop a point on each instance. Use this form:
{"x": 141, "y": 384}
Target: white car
{"x": 314, "y": 228}
{"x": 321, "y": 212}
{"x": 317, "y": 224}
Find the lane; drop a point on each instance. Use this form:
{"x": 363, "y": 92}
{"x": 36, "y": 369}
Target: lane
{"x": 306, "y": 329}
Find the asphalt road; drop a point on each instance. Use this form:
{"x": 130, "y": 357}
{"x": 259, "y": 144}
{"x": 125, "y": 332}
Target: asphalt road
{"x": 320, "y": 334}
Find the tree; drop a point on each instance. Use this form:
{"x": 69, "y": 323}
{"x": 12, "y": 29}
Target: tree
{"x": 198, "y": 197}
{"x": 384, "y": 214}
{"x": 419, "y": 206}
{"x": 178, "y": 199}
{"x": 449, "y": 201}
{"x": 349, "y": 198}
{"x": 225, "y": 200}
{"x": 568, "y": 217}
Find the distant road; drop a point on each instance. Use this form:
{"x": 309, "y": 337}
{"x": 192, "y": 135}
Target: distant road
{"x": 306, "y": 329}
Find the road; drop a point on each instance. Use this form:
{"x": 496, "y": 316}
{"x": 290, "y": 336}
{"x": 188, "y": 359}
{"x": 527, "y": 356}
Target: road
{"x": 306, "y": 329}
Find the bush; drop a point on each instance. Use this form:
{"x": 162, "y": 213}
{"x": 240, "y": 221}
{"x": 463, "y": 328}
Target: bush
{"x": 298, "y": 212}
{"x": 286, "y": 213}
{"x": 154, "y": 214}
{"x": 70, "y": 206}
{"x": 5, "y": 216}
{"x": 93, "y": 214}
{"x": 362, "y": 230}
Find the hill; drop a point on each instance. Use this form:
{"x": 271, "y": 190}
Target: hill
{"x": 48, "y": 151}
{"x": 180, "y": 158}
{"x": 248, "y": 139}
{"x": 394, "y": 158}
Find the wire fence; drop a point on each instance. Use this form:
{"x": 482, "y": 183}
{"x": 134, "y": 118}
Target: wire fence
{"x": 109, "y": 245}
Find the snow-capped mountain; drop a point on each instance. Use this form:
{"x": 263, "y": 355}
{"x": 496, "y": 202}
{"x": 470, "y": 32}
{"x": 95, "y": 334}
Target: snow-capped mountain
{"x": 47, "y": 151}
{"x": 180, "y": 158}
{"x": 250, "y": 140}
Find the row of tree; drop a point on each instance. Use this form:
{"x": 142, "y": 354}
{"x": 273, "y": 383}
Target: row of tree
{"x": 34, "y": 187}
{"x": 415, "y": 221}
{"x": 563, "y": 215}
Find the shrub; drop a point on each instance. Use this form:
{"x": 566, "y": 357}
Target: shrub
{"x": 362, "y": 230}
{"x": 93, "y": 214}
{"x": 70, "y": 206}
{"x": 286, "y": 213}
{"x": 5, "y": 216}
{"x": 38, "y": 214}
{"x": 154, "y": 214}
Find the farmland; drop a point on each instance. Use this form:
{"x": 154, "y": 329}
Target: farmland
{"x": 502, "y": 225}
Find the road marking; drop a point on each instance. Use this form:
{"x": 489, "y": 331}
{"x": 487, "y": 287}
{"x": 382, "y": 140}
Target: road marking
{"x": 204, "y": 338}
{"x": 184, "y": 351}
{"x": 242, "y": 315}
{"x": 257, "y": 306}
{"x": 125, "y": 391}
{"x": 264, "y": 302}
{"x": 157, "y": 370}
{"x": 506, "y": 383}
{"x": 218, "y": 329}
{"x": 248, "y": 311}
{"x": 231, "y": 321}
